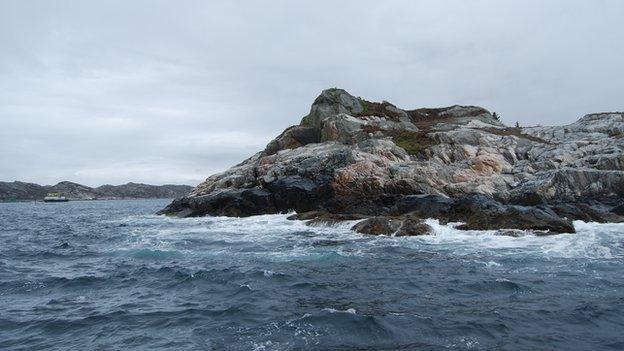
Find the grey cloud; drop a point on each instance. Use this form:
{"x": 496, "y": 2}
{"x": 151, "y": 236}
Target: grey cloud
{"x": 157, "y": 91}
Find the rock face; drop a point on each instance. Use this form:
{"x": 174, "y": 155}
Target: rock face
{"x": 20, "y": 191}
{"x": 352, "y": 156}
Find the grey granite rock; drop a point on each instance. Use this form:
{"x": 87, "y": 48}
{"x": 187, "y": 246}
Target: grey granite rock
{"x": 353, "y": 156}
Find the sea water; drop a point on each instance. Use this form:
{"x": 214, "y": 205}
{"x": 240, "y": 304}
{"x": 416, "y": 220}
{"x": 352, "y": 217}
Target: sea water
{"x": 111, "y": 275}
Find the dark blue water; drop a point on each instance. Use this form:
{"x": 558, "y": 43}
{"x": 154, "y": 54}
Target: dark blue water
{"x": 108, "y": 275}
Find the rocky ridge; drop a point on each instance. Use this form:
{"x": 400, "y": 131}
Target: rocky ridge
{"x": 350, "y": 156}
{"x": 20, "y": 191}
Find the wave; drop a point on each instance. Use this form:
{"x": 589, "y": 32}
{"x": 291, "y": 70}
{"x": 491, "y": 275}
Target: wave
{"x": 348, "y": 310}
{"x": 592, "y": 241}
{"x": 275, "y": 238}
{"x": 266, "y": 282}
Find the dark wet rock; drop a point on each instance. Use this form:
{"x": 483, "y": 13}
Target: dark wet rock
{"x": 519, "y": 217}
{"x": 586, "y": 212}
{"x": 481, "y": 212}
{"x": 378, "y": 226}
{"x": 572, "y": 211}
{"x": 618, "y": 210}
{"x": 409, "y": 225}
{"x": 527, "y": 198}
{"x": 424, "y": 206}
{"x": 413, "y": 226}
{"x": 233, "y": 203}
{"x": 472, "y": 206}
{"x": 297, "y": 193}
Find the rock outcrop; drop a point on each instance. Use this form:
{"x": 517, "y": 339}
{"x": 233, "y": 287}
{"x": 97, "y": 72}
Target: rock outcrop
{"x": 355, "y": 157}
{"x": 20, "y": 191}
{"x": 408, "y": 225}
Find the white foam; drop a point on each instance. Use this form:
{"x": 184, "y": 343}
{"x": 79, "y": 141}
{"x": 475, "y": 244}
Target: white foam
{"x": 333, "y": 310}
{"x": 281, "y": 239}
{"x": 592, "y": 240}
{"x": 268, "y": 273}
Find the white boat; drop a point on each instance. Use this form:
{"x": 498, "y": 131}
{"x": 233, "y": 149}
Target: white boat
{"x": 55, "y": 197}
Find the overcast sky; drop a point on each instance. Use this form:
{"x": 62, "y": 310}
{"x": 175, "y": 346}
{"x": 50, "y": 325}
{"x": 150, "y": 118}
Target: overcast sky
{"x": 172, "y": 91}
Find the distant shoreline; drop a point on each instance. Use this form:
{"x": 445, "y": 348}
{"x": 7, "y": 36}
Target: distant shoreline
{"x": 27, "y": 192}
{"x": 86, "y": 200}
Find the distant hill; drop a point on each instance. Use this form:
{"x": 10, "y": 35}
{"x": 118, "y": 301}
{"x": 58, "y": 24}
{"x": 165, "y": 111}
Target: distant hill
{"x": 20, "y": 191}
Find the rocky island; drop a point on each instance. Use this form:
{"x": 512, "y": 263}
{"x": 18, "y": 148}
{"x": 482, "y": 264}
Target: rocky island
{"x": 350, "y": 158}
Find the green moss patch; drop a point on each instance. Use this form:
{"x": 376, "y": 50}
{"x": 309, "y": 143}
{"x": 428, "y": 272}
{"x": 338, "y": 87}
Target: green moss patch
{"x": 415, "y": 143}
{"x": 305, "y": 121}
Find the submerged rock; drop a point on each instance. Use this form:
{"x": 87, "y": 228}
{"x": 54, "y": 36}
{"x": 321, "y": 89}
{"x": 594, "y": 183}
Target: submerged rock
{"x": 350, "y": 156}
